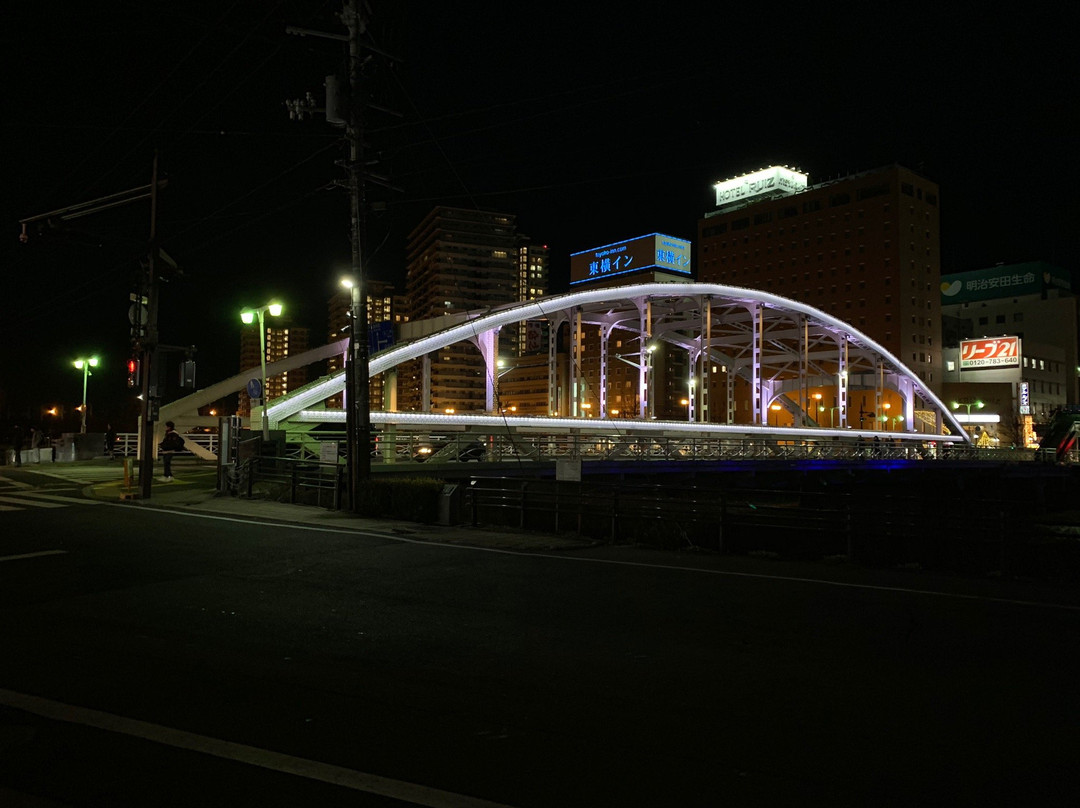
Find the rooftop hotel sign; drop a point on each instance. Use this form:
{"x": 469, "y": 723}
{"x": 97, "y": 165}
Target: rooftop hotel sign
{"x": 771, "y": 181}
{"x": 652, "y": 252}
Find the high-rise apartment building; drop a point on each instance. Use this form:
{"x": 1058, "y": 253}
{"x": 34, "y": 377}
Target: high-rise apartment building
{"x": 864, "y": 248}
{"x": 461, "y": 260}
{"x": 385, "y": 310}
{"x": 281, "y": 341}
{"x": 532, "y": 279}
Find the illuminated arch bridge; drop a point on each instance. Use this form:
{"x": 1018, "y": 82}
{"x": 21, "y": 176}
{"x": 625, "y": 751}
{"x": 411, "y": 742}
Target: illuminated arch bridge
{"x": 787, "y": 370}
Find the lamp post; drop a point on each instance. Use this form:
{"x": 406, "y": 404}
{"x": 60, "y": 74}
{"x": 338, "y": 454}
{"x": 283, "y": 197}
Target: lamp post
{"x": 84, "y": 365}
{"x": 820, "y": 407}
{"x": 968, "y": 405}
{"x": 776, "y": 413}
{"x": 247, "y": 316}
{"x": 885, "y": 416}
{"x": 502, "y": 367}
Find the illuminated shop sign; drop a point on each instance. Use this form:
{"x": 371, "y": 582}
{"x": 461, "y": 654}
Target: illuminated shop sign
{"x": 655, "y": 251}
{"x": 1013, "y": 280}
{"x": 1025, "y": 399}
{"x": 774, "y": 181}
{"x": 990, "y": 353}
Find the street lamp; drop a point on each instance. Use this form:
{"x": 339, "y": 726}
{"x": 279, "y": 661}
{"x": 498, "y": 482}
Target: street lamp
{"x": 247, "y": 316}
{"x": 776, "y": 409}
{"x": 885, "y": 416}
{"x": 968, "y": 405}
{"x": 84, "y": 365}
{"x": 820, "y": 407}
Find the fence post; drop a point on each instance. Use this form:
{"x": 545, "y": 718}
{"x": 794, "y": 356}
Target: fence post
{"x": 250, "y": 475}
{"x": 521, "y": 518}
{"x": 292, "y": 484}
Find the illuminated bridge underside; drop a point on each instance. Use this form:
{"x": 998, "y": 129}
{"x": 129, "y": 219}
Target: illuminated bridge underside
{"x": 782, "y": 349}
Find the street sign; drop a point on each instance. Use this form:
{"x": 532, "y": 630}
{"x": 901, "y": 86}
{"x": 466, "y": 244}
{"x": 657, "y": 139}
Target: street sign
{"x": 254, "y": 388}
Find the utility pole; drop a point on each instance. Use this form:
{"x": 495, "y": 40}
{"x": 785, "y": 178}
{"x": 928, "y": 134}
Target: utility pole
{"x": 358, "y": 391}
{"x": 147, "y": 346}
{"x": 360, "y": 394}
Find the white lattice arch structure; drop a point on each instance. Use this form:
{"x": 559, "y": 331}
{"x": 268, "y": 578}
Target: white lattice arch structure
{"x": 780, "y": 347}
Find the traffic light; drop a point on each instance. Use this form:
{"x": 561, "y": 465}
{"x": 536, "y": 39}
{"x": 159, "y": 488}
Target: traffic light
{"x": 133, "y": 372}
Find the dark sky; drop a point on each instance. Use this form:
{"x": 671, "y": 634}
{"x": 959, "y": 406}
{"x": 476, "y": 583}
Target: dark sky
{"x": 592, "y": 122}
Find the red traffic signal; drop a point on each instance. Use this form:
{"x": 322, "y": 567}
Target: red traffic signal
{"x": 133, "y": 372}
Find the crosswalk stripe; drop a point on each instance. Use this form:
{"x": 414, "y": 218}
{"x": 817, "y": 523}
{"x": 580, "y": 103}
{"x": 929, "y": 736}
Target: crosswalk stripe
{"x": 33, "y": 555}
{"x": 57, "y": 498}
{"x": 9, "y": 508}
{"x": 31, "y": 503}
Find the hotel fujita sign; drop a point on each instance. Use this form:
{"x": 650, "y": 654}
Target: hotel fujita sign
{"x": 990, "y": 353}
{"x": 771, "y": 181}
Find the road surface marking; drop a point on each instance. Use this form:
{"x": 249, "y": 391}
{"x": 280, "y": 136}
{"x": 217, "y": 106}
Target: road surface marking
{"x": 616, "y": 562}
{"x": 16, "y": 483}
{"x": 251, "y": 755}
{"x": 58, "y": 498}
{"x": 31, "y": 503}
{"x": 33, "y": 555}
{"x": 9, "y": 508}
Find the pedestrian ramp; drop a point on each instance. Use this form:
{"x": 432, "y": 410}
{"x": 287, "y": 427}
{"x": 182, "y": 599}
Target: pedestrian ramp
{"x": 28, "y": 500}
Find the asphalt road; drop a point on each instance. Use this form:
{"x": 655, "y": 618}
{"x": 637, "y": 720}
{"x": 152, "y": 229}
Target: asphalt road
{"x": 159, "y": 658}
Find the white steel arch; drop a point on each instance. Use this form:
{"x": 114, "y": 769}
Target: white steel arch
{"x": 778, "y": 346}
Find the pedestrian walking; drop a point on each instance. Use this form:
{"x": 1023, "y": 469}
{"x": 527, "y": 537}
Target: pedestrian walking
{"x": 171, "y": 443}
{"x": 110, "y": 441}
{"x": 16, "y": 443}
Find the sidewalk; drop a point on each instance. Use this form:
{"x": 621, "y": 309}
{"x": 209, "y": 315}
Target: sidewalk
{"x": 194, "y": 489}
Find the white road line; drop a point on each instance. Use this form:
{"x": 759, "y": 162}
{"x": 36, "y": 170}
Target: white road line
{"x": 10, "y": 508}
{"x": 58, "y": 498}
{"x": 16, "y": 483}
{"x": 251, "y": 755}
{"x": 33, "y": 555}
{"x": 31, "y": 503}
{"x": 617, "y": 562}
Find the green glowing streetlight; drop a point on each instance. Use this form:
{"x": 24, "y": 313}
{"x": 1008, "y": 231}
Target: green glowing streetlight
{"x": 84, "y": 365}
{"x": 247, "y": 316}
{"x": 968, "y": 405}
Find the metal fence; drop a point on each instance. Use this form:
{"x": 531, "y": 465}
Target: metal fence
{"x": 884, "y": 522}
{"x": 287, "y": 479}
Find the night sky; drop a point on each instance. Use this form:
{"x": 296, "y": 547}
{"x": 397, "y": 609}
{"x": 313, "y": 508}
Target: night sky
{"x": 592, "y": 122}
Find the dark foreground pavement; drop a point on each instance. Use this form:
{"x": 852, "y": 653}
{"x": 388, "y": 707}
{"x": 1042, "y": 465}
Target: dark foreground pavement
{"x": 529, "y": 671}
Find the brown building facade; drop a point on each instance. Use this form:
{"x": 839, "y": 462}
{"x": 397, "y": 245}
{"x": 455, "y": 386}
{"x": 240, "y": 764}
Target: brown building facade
{"x": 864, "y": 248}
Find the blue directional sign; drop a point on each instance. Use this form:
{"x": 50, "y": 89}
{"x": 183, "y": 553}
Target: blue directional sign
{"x": 254, "y": 388}
{"x": 380, "y": 336}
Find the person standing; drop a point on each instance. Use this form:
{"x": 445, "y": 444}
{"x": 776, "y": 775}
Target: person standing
{"x": 16, "y": 443}
{"x": 172, "y": 442}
